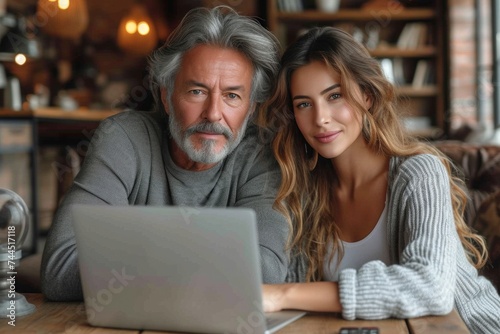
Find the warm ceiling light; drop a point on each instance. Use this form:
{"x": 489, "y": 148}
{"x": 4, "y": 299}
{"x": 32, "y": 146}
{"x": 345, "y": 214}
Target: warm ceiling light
{"x": 143, "y": 28}
{"x": 131, "y": 27}
{"x": 64, "y": 18}
{"x": 63, "y": 4}
{"x": 137, "y": 38}
{"x": 20, "y": 59}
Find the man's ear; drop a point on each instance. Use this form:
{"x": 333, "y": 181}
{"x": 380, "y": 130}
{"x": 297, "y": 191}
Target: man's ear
{"x": 163, "y": 97}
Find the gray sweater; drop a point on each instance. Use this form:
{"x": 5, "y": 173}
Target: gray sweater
{"x": 128, "y": 163}
{"x": 430, "y": 274}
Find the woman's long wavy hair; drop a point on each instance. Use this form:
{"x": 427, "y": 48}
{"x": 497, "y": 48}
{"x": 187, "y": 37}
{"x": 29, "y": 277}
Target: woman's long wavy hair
{"x": 305, "y": 195}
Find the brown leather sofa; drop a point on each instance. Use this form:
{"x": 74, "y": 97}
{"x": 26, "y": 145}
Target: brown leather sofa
{"x": 480, "y": 165}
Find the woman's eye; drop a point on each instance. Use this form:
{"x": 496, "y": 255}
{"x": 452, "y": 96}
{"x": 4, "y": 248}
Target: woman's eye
{"x": 303, "y": 105}
{"x": 335, "y": 96}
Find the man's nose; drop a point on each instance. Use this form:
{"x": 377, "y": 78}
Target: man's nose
{"x": 212, "y": 109}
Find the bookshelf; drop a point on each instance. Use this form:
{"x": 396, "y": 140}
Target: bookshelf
{"x": 409, "y": 38}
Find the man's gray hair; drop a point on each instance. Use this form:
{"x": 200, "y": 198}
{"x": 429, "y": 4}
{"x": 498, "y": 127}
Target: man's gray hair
{"x": 220, "y": 26}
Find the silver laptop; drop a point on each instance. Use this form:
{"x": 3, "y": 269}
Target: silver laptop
{"x": 173, "y": 269}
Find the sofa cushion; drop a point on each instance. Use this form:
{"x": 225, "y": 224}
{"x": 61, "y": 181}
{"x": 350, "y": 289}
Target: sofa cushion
{"x": 487, "y": 223}
{"x": 480, "y": 165}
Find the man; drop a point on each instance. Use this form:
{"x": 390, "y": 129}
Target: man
{"x": 198, "y": 148}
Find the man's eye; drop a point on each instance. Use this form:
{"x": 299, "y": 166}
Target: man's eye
{"x": 196, "y": 92}
{"x": 232, "y": 96}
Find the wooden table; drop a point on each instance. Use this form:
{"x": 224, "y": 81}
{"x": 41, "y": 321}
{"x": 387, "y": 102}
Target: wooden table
{"x": 51, "y": 317}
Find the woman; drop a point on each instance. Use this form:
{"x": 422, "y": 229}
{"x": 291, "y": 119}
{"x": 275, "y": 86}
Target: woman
{"x": 376, "y": 214}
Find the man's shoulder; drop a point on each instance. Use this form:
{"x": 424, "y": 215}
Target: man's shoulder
{"x": 133, "y": 117}
{"x": 139, "y": 127}
{"x": 133, "y": 122}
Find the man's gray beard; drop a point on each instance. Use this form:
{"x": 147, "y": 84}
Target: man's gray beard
{"x": 206, "y": 153}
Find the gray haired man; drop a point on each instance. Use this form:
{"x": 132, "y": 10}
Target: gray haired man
{"x": 198, "y": 147}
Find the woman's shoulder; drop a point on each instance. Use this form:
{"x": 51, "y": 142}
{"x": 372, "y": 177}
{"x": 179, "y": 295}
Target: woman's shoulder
{"x": 424, "y": 162}
{"x": 418, "y": 166}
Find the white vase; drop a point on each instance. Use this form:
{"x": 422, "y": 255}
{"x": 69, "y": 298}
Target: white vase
{"x": 329, "y": 6}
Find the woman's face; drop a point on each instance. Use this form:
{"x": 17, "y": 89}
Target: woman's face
{"x": 326, "y": 120}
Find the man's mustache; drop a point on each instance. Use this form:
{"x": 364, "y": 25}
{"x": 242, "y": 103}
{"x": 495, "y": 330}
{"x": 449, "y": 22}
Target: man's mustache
{"x": 210, "y": 127}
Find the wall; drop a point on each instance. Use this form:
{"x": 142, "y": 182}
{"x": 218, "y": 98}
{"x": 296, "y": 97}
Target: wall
{"x": 465, "y": 91}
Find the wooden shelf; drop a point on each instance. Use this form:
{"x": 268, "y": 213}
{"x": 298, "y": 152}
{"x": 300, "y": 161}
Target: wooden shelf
{"x": 429, "y": 133}
{"x": 392, "y": 51}
{"x": 356, "y": 15}
{"x": 80, "y": 114}
{"x": 410, "y": 91}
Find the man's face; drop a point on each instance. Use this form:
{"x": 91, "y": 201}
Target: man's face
{"x": 210, "y": 105}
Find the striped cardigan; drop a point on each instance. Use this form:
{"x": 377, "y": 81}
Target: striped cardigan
{"x": 430, "y": 274}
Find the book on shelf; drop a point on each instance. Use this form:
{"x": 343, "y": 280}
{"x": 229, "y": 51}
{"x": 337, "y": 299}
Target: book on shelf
{"x": 399, "y": 73}
{"x": 290, "y": 5}
{"x": 393, "y": 70}
{"x": 412, "y": 36}
{"x": 388, "y": 69}
{"x": 373, "y": 36}
{"x": 356, "y": 32}
{"x": 423, "y": 74}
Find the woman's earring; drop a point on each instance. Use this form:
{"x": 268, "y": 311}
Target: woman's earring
{"x": 366, "y": 127}
{"x": 312, "y": 157}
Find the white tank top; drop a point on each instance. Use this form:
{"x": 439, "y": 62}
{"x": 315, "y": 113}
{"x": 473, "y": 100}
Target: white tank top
{"x": 373, "y": 247}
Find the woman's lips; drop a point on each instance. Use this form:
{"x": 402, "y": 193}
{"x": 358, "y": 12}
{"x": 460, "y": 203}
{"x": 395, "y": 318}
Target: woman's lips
{"x": 327, "y": 137}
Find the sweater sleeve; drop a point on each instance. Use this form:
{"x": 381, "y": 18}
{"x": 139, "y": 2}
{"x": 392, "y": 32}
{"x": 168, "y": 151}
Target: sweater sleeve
{"x": 101, "y": 180}
{"x": 423, "y": 281}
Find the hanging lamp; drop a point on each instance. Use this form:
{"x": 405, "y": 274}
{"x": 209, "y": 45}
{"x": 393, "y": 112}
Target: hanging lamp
{"x": 63, "y": 18}
{"x": 136, "y": 32}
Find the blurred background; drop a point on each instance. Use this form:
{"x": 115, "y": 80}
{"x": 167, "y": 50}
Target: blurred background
{"x": 85, "y": 50}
